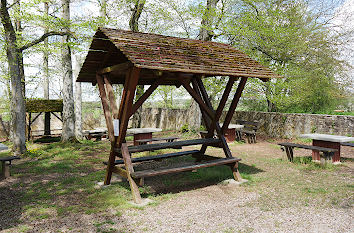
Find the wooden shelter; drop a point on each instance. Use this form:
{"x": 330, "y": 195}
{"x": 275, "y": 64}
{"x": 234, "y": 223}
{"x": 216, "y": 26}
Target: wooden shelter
{"x": 45, "y": 106}
{"x": 130, "y": 58}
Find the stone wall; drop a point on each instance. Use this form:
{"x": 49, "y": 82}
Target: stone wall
{"x": 285, "y": 125}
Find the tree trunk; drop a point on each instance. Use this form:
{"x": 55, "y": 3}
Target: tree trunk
{"x": 68, "y": 133}
{"x": 78, "y": 101}
{"x": 206, "y": 34}
{"x": 46, "y": 74}
{"x": 18, "y": 111}
{"x": 134, "y": 26}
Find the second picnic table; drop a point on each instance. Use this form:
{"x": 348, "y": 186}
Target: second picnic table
{"x": 328, "y": 141}
{"x": 142, "y": 133}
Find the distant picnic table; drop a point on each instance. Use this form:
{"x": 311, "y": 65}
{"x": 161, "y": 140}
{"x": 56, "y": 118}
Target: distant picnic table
{"x": 328, "y": 141}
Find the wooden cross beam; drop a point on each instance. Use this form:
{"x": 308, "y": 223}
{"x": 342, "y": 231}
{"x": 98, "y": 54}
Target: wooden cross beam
{"x": 234, "y": 103}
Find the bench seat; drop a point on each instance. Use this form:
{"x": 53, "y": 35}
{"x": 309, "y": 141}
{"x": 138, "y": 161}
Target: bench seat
{"x": 163, "y": 171}
{"x": 347, "y": 144}
{"x": 166, "y": 145}
{"x": 327, "y": 152}
{"x": 157, "y": 157}
{"x": 168, "y": 139}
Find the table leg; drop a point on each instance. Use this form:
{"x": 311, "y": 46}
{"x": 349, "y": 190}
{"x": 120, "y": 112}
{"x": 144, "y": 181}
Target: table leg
{"x": 333, "y": 145}
{"x": 140, "y": 136}
{"x": 230, "y": 135}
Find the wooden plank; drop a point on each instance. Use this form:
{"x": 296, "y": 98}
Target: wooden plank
{"x": 134, "y": 78}
{"x": 234, "y": 103}
{"x": 158, "y": 146}
{"x": 146, "y": 95}
{"x": 197, "y": 98}
{"x": 112, "y": 99}
{"x": 157, "y": 157}
{"x": 119, "y": 67}
{"x": 216, "y": 162}
{"x": 224, "y": 98}
{"x": 129, "y": 169}
{"x": 105, "y": 106}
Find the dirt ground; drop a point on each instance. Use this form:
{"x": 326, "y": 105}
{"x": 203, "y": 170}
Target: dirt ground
{"x": 279, "y": 197}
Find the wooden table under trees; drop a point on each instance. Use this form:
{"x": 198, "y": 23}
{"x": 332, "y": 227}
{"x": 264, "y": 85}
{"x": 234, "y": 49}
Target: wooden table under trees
{"x": 131, "y": 58}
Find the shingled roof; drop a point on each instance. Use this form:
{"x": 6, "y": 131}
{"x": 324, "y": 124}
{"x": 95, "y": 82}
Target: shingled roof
{"x": 152, "y": 52}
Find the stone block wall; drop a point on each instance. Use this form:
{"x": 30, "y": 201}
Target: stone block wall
{"x": 284, "y": 125}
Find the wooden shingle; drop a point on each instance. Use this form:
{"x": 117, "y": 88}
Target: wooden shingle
{"x": 171, "y": 55}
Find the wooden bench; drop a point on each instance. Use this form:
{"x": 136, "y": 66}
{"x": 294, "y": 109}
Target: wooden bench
{"x": 145, "y": 141}
{"x": 288, "y": 147}
{"x": 249, "y": 130}
{"x": 136, "y": 178}
{"x": 5, "y": 164}
{"x": 347, "y": 144}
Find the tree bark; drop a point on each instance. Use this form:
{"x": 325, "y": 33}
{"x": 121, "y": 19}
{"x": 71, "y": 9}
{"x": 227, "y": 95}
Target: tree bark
{"x": 134, "y": 26}
{"x": 78, "y": 101}
{"x": 46, "y": 74}
{"x": 18, "y": 111}
{"x": 206, "y": 34}
{"x": 68, "y": 133}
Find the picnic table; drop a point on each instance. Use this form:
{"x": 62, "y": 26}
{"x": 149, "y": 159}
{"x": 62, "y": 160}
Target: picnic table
{"x": 230, "y": 132}
{"x": 142, "y": 133}
{"x": 328, "y": 141}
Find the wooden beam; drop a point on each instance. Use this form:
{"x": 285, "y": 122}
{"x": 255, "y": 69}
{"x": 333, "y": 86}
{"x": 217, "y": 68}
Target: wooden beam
{"x": 146, "y": 95}
{"x": 234, "y": 103}
{"x": 205, "y": 117}
{"x": 224, "y": 97}
{"x": 119, "y": 67}
{"x": 197, "y": 98}
{"x": 111, "y": 97}
{"x": 130, "y": 92}
{"x": 129, "y": 169}
{"x": 217, "y": 126}
{"x": 105, "y": 106}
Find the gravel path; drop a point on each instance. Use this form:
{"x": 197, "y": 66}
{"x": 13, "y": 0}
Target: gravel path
{"x": 227, "y": 209}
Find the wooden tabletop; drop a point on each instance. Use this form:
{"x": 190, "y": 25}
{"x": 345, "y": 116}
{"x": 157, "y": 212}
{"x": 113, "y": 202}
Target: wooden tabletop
{"x": 234, "y": 126}
{"x": 143, "y": 130}
{"x": 327, "y": 137}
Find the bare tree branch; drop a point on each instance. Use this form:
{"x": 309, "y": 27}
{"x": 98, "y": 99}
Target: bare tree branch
{"x": 42, "y": 38}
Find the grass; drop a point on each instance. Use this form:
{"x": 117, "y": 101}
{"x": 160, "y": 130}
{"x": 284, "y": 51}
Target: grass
{"x": 59, "y": 179}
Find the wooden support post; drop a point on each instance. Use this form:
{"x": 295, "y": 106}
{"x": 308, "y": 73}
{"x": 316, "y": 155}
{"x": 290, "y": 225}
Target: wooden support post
{"x": 129, "y": 169}
{"x": 197, "y": 98}
{"x": 29, "y": 126}
{"x": 5, "y": 169}
{"x": 105, "y": 106}
{"x": 235, "y": 172}
{"x": 123, "y": 114}
{"x": 234, "y": 103}
{"x": 146, "y": 95}
{"x": 217, "y": 126}
{"x": 47, "y": 123}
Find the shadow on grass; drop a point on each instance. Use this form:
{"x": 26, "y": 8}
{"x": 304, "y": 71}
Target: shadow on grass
{"x": 10, "y": 208}
{"x": 186, "y": 181}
